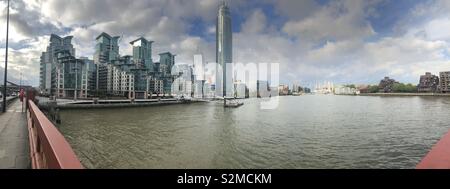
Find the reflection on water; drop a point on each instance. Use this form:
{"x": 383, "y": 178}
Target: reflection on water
{"x": 303, "y": 132}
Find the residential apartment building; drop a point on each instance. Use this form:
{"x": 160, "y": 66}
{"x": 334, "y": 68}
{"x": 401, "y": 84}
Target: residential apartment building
{"x": 444, "y": 82}
{"x": 156, "y": 87}
{"x": 108, "y": 74}
{"x": 166, "y": 63}
{"x": 183, "y": 83}
{"x": 106, "y": 49}
{"x": 283, "y": 89}
{"x": 48, "y": 61}
{"x": 142, "y": 53}
{"x": 62, "y": 75}
{"x": 428, "y": 83}
{"x": 386, "y": 85}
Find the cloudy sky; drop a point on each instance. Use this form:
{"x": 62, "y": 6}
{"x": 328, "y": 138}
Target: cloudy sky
{"x": 348, "y": 41}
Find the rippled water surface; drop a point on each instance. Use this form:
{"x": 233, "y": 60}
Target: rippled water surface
{"x": 311, "y": 131}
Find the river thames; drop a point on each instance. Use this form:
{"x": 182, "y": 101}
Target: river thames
{"x": 310, "y": 131}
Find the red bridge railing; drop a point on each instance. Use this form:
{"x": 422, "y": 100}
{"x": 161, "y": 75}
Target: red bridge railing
{"x": 48, "y": 147}
{"x": 439, "y": 156}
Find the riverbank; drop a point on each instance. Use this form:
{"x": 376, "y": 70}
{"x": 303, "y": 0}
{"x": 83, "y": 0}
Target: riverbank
{"x": 406, "y": 94}
{"x": 91, "y": 104}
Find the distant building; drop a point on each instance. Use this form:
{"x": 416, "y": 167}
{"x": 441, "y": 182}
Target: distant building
{"x": 183, "y": 83}
{"x": 199, "y": 88}
{"x": 345, "y": 90}
{"x": 428, "y": 83}
{"x": 209, "y": 90}
{"x": 296, "y": 88}
{"x": 386, "y": 85}
{"x": 283, "y": 90}
{"x": 324, "y": 88}
{"x": 240, "y": 89}
{"x": 262, "y": 89}
{"x": 200, "y": 85}
{"x": 182, "y": 88}
{"x": 307, "y": 90}
{"x": 363, "y": 88}
{"x": 444, "y": 84}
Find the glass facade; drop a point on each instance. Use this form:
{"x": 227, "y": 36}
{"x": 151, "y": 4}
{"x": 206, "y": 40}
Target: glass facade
{"x": 107, "y": 48}
{"x": 48, "y": 61}
{"x": 224, "y": 54}
{"x": 166, "y": 63}
{"x": 142, "y": 53}
{"x": 109, "y": 73}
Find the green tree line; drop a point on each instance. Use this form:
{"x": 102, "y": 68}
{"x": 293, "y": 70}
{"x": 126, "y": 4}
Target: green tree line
{"x": 404, "y": 88}
{"x": 396, "y": 88}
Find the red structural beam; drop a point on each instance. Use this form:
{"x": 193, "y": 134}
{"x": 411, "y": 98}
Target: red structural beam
{"x": 48, "y": 147}
{"x": 439, "y": 156}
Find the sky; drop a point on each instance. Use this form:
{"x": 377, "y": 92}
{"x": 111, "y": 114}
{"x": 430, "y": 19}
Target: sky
{"x": 346, "y": 41}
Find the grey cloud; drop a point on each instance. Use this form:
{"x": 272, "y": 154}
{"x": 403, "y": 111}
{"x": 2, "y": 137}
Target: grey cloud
{"x": 335, "y": 21}
{"x": 295, "y": 9}
{"x": 256, "y": 23}
{"x": 22, "y": 61}
{"x": 29, "y": 22}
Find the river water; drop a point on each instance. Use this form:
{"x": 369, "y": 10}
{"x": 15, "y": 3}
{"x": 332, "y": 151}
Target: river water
{"x": 310, "y": 131}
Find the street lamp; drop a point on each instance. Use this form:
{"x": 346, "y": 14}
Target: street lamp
{"x": 76, "y": 80}
{"x": 6, "y": 60}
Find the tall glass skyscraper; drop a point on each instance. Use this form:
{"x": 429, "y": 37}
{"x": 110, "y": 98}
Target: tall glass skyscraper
{"x": 107, "y": 48}
{"x": 224, "y": 54}
{"x": 49, "y": 60}
{"x": 142, "y": 53}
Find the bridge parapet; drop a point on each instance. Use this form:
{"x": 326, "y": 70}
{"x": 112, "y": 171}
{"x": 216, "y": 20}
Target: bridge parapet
{"x": 48, "y": 147}
{"x": 439, "y": 156}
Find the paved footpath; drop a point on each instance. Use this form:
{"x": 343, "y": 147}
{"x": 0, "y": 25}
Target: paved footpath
{"x": 14, "y": 145}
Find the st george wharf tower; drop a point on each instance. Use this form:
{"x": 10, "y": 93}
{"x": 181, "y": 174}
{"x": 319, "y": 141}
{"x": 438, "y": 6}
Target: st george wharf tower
{"x": 224, "y": 52}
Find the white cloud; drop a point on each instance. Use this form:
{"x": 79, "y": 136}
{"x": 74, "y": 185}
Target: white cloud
{"x": 438, "y": 29}
{"x": 25, "y": 61}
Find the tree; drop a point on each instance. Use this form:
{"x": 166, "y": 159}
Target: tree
{"x": 372, "y": 88}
